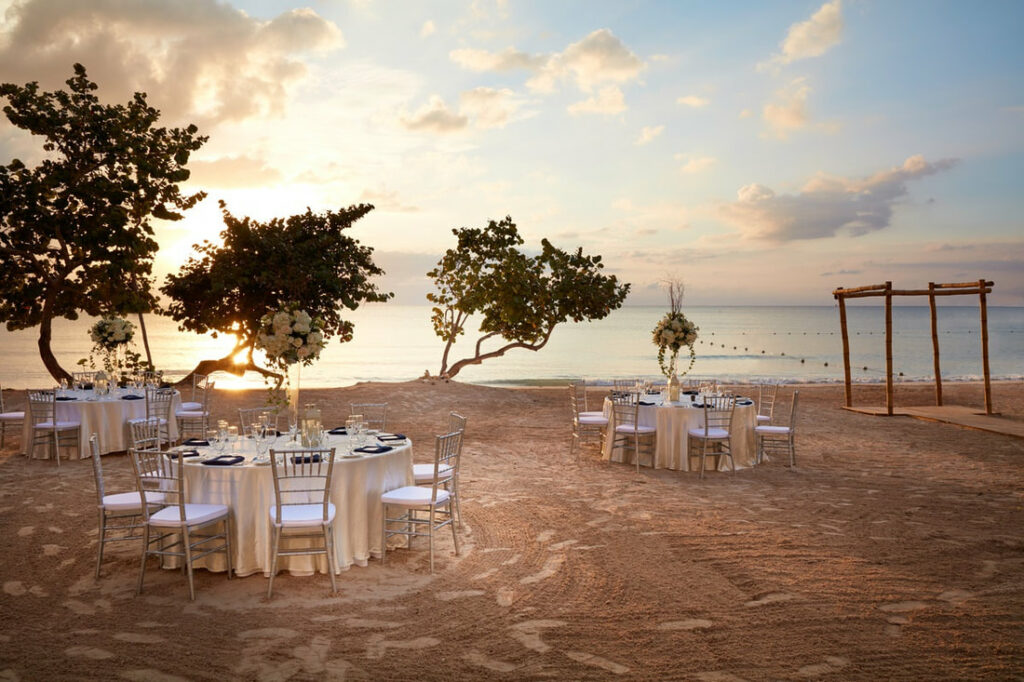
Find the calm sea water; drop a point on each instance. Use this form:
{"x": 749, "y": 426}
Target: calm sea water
{"x": 736, "y": 344}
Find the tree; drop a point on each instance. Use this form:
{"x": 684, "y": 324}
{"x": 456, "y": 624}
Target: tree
{"x": 75, "y": 231}
{"x": 521, "y": 298}
{"x": 262, "y": 267}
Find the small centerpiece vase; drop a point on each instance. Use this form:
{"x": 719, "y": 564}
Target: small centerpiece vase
{"x": 673, "y": 388}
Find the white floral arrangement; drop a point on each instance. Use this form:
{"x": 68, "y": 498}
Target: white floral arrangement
{"x": 673, "y": 333}
{"x": 290, "y": 336}
{"x": 111, "y": 333}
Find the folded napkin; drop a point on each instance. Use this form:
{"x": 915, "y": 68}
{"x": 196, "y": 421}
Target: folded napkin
{"x": 744, "y": 401}
{"x": 374, "y": 449}
{"x": 691, "y": 392}
{"x": 339, "y": 431}
{"x": 176, "y": 455}
{"x": 391, "y": 436}
{"x": 306, "y": 459}
{"x": 87, "y": 387}
{"x": 698, "y": 404}
{"x": 225, "y": 460}
{"x": 64, "y": 397}
{"x": 132, "y": 397}
{"x": 642, "y": 402}
{"x": 195, "y": 442}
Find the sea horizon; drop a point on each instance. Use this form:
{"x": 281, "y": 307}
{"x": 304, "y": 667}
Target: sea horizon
{"x": 736, "y": 344}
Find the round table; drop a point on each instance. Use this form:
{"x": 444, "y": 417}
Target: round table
{"x": 107, "y": 416}
{"x": 674, "y": 420}
{"x": 248, "y": 489}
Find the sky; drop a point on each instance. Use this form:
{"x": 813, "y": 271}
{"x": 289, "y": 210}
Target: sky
{"x": 762, "y": 153}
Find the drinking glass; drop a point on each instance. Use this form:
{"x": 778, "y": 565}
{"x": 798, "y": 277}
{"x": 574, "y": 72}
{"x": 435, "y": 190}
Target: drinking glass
{"x": 232, "y": 434}
{"x": 293, "y": 425}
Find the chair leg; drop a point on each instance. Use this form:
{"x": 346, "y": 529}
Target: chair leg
{"x": 455, "y": 536}
{"x": 103, "y": 538}
{"x": 384, "y": 535}
{"x": 187, "y": 541}
{"x": 273, "y": 561}
{"x": 430, "y": 538}
{"x": 227, "y": 543}
{"x": 145, "y": 555}
{"x": 329, "y": 546}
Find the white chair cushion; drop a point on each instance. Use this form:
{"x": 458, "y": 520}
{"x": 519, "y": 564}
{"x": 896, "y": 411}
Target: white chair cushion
{"x": 190, "y": 414}
{"x": 194, "y": 515}
{"x": 424, "y": 473}
{"x": 628, "y": 428}
{"x": 61, "y": 426}
{"x": 763, "y": 418}
{"x": 771, "y": 429}
{"x": 130, "y": 501}
{"x": 191, "y": 406}
{"x": 713, "y": 433}
{"x": 302, "y": 515}
{"x": 12, "y": 416}
{"x": 413, "y": 496}
{"x": 592, "y": 414}
{"x": 594, "y": 421}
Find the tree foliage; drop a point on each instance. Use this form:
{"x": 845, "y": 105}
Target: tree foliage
{"x": 521, "y": 298}
{"x": 75, "y": 230}
{"x": 261, "y": 267}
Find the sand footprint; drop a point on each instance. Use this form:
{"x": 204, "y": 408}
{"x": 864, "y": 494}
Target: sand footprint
{"x": 459, "y": 594}
{"x": 691, "y": 624}
{"x": 545, "y": 536}
{"x": 903, "y": 607}
{"x": 90, "y": 652}
{"x": 528, "y": 633}
{"x": 139, "y": 638}
{"x": 378, "y": 644}
{"x": 151, "y": 675}
{"x": 25, "y": 531}
{"x": 551, "y": 567}
{"x": 14, "y": 588}
{"x": 718, "y": 676}
{"x": 597, "y": 662}
{"x": 771, "y": 598}
{"x": 832, "y": 664}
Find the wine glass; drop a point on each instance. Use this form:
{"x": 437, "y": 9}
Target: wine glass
{"x": 293, "y": 425}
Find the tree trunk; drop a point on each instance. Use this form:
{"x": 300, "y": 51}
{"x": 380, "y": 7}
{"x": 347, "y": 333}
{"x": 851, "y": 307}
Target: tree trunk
{"x": 145, "y": 342}
{"x": 228, "y": 364}
{"x": 480, "y": 357}
{"x": 49, "y": 360}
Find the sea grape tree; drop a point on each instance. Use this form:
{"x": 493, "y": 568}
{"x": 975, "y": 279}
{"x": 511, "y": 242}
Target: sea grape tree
{"x": 520, "y": 297}
{"x": 260, "y": 267}
{"x": 76, "y": 230}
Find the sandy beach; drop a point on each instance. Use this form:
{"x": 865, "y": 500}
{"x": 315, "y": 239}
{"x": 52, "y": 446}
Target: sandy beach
{"x": 893, "y": 550}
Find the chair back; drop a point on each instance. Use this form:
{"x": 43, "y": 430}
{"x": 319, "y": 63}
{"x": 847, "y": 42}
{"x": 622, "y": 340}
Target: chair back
{"x": 447, "y": 455}
{"x": 97, "y": 467}
{"x": 201, "y": 384}
{"x": 247, "y": 416}
{"x": 41, "y": 407}
{"x": 626, "y": 413}
{"x": 83, "y": 378}
{"x": 456, "y": 422}
{"x": 580, "y": 389}
{"x": 718, "y": 411}
{"x": 145, "y": 434}
{"x": 574, "y": 403}
{"x": 766, "y": 394}
{"x": 374, "y": 414}
{"x": 155, "y": 472}
{"x": 302, "y": 476}
{"x": 158, "y": 403}
{"x": 792, "y": 412}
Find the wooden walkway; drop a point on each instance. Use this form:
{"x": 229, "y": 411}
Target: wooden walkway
{"x": 961, "y": 415}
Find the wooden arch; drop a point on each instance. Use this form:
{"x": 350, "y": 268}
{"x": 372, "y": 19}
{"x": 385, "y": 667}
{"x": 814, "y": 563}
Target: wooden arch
{"x": 980, "y": 288}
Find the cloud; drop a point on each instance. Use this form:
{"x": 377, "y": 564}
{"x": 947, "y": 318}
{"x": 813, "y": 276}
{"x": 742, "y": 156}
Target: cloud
{"x": 598, "y": 59}
{"x": 827, "y": 205}
{"x": 233, "y": 172}
{"x": 746, "y": 113}
{"x": 488, "y": 107}
{"x": 509, "y": 59}
{"x": 789, "y": 110}
{"x": 434, "y": 116}
{"x": 608, "y": 101}
{"x": 648, "y": 133}
{"x": 201, "y": 59}
{"x": 428, "y": 28}
{"x": 695, "y": 164}
{"x": 386, "y": 200}
{"x": 811, "y": 38}
{"x": 693, "y": 101}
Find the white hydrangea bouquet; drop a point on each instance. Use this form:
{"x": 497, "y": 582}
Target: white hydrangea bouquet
{"x": 290, "y": 336}
{"x": 110, "y": 337}
{"x": 673, "y": 333}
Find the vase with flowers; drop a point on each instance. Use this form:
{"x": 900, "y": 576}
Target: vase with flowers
{"x": 290, "y": 338}
{"x": 673, "y": 333}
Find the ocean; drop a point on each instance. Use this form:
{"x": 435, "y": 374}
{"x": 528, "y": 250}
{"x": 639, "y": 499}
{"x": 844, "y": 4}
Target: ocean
{"x": 735, "y": 345}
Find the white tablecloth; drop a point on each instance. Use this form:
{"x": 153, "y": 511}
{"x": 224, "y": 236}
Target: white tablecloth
{"x": 248, "y": 489}
{"x": 105, "y": 416}
{"x": 672, "y": 422}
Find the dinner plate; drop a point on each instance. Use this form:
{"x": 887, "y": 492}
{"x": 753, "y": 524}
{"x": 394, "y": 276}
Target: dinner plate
{"x": 353, "y": 456}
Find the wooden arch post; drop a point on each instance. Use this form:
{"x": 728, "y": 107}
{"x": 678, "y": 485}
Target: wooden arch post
{"x": 981, "y": 288}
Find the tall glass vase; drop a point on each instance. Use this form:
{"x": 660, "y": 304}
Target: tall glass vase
{"x": 294, "y": 377}
{"x": 673, "y": 388}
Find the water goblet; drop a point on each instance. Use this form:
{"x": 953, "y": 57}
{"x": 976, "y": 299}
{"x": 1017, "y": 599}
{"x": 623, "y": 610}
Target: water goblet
{"x": 232, "y": 434}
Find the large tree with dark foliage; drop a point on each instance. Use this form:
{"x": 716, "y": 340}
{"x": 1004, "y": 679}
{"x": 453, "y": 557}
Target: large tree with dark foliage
{"x": 75, "y": 230}
{"x": 520, "y": 297}
{"x": 260, "y": 267}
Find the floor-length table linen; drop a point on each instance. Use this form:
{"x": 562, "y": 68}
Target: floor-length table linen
{"x": 106, "y": 416}
{"x": 248, "y": 489}
{"x": 672, "y": 422}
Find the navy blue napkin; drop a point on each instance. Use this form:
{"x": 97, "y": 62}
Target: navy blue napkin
{"x": 225, "y": 460}
{"x": 339, "y": 431}
{"x": 196, "y": 441}
{"x": 391, "y": 436}
{"x": 64, "y": 397}
{"x": 744, "y": 401}
{"x": 691, "y": 392}
{"x": 132, "y": 397}
{"x": 647, "y": 403}
{"x": 374, "y": 449}
{"x": 176, "y": 455}
{"x": 306, "y": 459}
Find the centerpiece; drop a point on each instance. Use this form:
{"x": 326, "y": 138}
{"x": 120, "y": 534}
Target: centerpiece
{"x": 110, "y": 338}
{"x": 290, "y": 338}
{"x": 671, "y": 334}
